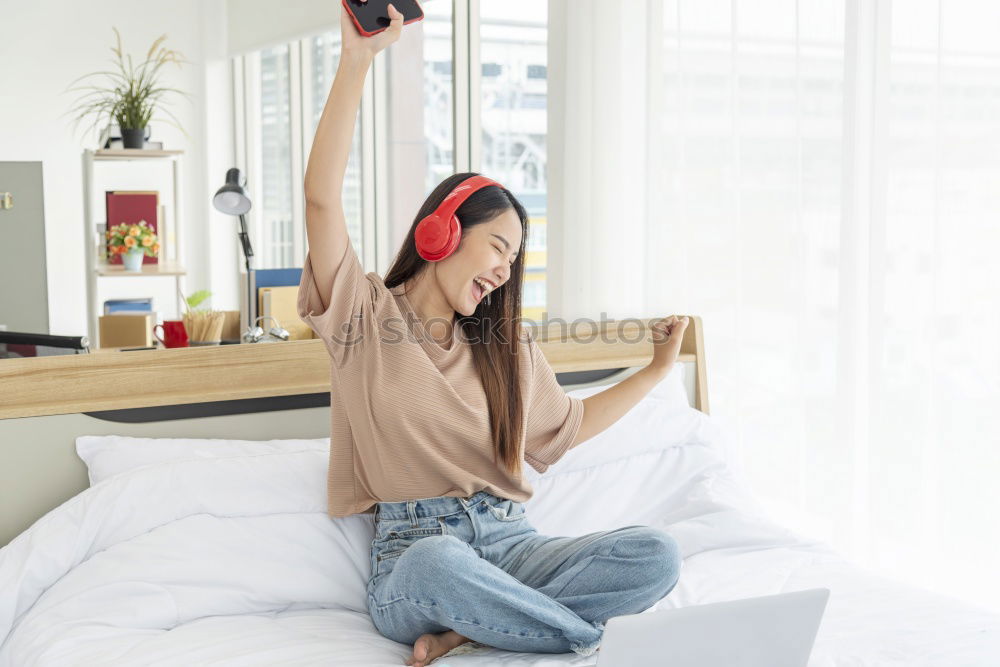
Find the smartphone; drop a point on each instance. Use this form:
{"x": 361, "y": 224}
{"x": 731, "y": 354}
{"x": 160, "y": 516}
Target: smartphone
{"x": 372, "y": 17}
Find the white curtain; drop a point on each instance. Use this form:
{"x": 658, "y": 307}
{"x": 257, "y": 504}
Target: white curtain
{"x": 819, "y": 180}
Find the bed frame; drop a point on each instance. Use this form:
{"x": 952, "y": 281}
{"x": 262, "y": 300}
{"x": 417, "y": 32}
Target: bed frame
{"x": 253, "y": 392}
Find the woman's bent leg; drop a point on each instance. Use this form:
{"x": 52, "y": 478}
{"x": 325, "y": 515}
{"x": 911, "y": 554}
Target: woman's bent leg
{"x": 601, "y": 575}
{"x": 440, "y": 583}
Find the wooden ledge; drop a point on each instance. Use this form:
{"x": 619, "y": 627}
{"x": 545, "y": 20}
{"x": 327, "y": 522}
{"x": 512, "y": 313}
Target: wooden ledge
{"x": 69, "y": 384}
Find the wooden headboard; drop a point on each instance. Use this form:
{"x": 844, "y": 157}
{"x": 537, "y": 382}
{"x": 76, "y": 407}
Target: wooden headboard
{"x": 253, "y": 392}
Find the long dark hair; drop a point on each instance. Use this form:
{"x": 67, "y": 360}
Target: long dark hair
{"x": 494, "y": 329}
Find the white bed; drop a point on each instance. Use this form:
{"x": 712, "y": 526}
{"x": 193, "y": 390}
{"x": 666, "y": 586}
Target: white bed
{"x": 206, "y": 551}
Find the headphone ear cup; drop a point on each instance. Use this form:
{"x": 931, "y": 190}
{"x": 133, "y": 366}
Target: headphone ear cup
{"x": 436, "y": 239}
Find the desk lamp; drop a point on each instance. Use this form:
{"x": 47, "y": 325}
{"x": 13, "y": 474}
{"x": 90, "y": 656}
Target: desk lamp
{"x": 232, "y": 199}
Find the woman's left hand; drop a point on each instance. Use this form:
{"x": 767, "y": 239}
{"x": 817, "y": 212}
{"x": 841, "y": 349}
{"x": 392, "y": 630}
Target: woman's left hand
{"x": 667, "y": 336}
{"x": 353, "y": 41}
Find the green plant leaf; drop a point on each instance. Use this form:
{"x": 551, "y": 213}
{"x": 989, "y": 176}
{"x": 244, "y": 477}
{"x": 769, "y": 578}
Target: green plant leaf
{"x": 197, "y": 298}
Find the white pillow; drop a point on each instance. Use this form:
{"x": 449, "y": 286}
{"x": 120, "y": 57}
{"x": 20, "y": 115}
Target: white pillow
{"x": 662, "y": 418}
{"x": 670, "y": 390}
{"x": 650, "y": 425}
{"x": 109, "y": 455}
{"x": 661, "y": 463}
{"x": 688, "y": 490}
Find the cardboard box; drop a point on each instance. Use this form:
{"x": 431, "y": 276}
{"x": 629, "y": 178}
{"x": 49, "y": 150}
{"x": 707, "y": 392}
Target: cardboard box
{"x": 126, "y": 330}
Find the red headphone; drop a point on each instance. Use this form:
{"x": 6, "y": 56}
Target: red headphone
{"x": 437, "y": 235}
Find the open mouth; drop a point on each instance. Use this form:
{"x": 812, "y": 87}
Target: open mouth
{"x": 480, "y": 289}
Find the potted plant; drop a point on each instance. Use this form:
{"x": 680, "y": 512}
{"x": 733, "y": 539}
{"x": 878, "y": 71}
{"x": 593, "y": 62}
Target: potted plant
{"x": 133, "y": 242}
{"x": 132, "y": 94}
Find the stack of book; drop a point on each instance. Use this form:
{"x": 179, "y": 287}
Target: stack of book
{"x": 140, "y": 304}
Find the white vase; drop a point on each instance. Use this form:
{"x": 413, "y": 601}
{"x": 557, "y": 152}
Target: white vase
{"x": 133, "y": 259}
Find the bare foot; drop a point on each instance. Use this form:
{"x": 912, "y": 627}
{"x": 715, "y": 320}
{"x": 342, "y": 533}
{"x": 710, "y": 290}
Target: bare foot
{"x": 430, "y": 646}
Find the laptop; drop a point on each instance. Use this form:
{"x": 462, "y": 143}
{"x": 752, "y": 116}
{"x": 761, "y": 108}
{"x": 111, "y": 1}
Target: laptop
{"x": 769, "y": 631}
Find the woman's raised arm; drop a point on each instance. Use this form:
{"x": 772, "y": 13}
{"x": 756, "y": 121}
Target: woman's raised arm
{"x": 326, "y": 227}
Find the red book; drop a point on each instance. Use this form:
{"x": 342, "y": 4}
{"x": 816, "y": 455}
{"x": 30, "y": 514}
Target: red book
{"x": 130, "y": 206}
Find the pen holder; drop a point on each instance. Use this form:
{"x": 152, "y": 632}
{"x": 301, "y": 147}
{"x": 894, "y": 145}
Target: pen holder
{"x": 204, "y": 327}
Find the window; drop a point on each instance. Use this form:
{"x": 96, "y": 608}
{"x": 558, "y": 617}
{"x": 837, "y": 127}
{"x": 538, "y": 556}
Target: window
{"x": 513, "y": 35}
{"x": 438, "y": 101}
{"x": 534, "y": 291}
{"x": 272, "y": 225}
{"x": 417, "y": 139}
{"x": 405, "y": 140}
{"x": 320, "y": 59}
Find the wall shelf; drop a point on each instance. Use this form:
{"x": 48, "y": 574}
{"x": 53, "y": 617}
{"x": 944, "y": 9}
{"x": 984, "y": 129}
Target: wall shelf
{"x": 162, "y": 268}
{"x": 133, "y": 154}
{"x": 171, "y": 266}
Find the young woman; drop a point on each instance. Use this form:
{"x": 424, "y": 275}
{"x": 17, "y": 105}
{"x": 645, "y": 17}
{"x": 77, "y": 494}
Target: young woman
{"x": 437, "y": 398}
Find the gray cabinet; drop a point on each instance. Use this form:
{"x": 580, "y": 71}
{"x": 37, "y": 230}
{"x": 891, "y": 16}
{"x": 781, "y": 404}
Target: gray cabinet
{"x": 24, "y": 297}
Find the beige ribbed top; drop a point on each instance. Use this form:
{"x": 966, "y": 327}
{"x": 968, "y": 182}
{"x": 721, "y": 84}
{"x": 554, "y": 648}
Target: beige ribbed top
{"x": 409, "y": 417}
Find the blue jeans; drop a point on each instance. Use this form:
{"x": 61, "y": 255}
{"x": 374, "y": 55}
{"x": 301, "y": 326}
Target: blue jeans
{"x": 475, "y": 565}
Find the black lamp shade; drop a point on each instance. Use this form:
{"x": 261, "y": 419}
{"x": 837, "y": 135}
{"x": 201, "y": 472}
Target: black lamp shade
{"x": 231, "y": 198}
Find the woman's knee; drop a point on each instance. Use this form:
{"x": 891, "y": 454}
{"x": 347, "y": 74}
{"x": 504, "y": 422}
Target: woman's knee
{"x": 659, "y": 555}
{"x": 667, "y": 554}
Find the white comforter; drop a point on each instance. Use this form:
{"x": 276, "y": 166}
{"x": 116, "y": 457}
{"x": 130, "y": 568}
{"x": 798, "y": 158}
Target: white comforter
{"x": 235, "y": 561}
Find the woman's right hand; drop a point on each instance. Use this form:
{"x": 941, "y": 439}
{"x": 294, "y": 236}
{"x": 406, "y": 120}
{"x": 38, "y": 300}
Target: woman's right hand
{"x": 667, "y": 335}
{"x": 354, "y": 41}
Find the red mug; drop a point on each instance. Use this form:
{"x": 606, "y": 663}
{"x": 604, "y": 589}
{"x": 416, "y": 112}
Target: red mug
{"x": 174, "y": 333}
